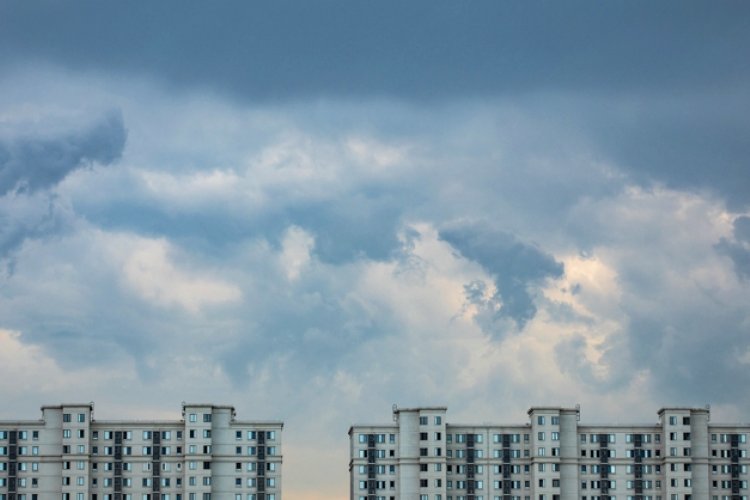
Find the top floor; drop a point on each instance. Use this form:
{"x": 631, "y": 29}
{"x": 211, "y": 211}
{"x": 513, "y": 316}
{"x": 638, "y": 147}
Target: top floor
{"x": 76, "y": 421}
{"x": 671, "y": 421}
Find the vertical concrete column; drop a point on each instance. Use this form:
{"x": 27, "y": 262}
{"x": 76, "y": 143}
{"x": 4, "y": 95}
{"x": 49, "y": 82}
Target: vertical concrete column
{"x": 408, "y": 450}
{"x": 569, "y": 454}
{"x": 222, "y": 451}
{"x": 699, "y": 452}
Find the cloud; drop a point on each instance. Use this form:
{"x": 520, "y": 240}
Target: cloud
{"x": 742, "y": 228}
{"x": 30, "y": 164}
{"x": 25, "y": 216}
{"x": 670, "y": 294}
{"x": 697, "y": 143}
{"x": 149, "y": 272}
{"x": 518, "y": 270}
{"x": 738, "y": 248}
{"x": 295, "y": 254}
{"x": 36, "y": 154}
{"x": 240, "y": 247}
{"x": 416, "y": 50}
{"x": 42, "y": 373}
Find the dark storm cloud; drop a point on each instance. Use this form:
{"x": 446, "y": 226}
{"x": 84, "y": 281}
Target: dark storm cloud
{"x": 517, "y": 268}
{"x": 658, "y": 87}
{"x": 697, "y": 141}
{"x": 30, "y": 164}
{"x": 415, "y": 49}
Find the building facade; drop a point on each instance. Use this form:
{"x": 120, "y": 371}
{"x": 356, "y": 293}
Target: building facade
{"x": 208, "y": 454}
{"x": 683, "y": 456}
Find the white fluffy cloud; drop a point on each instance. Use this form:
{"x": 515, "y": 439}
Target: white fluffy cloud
{"x": 150, "y": 273}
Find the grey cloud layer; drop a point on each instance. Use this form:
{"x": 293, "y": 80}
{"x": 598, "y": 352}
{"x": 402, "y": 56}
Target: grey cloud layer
{"x": 30, "y": 164}
{"x": 662, "y": 87}
{"x": 418, "y": 49}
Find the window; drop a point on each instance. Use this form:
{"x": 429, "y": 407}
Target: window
{"x": 81, "y": 418}
{"x": 555, "y": 436}
{"x": 438, "y": 420}
{"x": 540, "y": 420}
{"x": 193, "y": 417}
{"x": 540, "y": 436}
{"x": 555, "y": 420}
{"x": 66, "y": 417}
{"x": 206, "y": 417}
{"x": 673, "y": 420}
{"x": 422, "y": 420}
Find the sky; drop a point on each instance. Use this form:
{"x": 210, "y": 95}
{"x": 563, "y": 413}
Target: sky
{"x": 315, "y": 210}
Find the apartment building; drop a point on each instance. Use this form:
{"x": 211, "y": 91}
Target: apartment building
{"x": 208, "y": 454}
{"x": 553, "y": 456}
